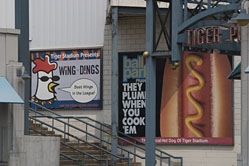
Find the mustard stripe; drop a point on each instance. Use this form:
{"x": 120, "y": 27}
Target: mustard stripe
{"x": 198, "y": 107}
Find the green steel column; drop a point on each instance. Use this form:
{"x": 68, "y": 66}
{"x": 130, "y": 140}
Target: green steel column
{"x": 22, "y": 23}
{"x": 150, "y": 127}
{"x": 114, "y": 81}
{"x": 185, "y": 10}
{"x": 209, "y": 3}
{"x": 177, "y": 16}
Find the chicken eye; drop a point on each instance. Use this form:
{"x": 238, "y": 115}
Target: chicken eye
{"x": 55, "y": 78}
{"x": 44, "y": 78}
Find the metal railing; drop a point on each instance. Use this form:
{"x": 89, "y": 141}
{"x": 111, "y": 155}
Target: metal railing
{"x": 103, "y": 131}
{"x": 67, "y": 134}
{"x": 64, "y": 144}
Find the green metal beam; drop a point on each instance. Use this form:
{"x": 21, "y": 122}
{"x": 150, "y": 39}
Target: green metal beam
{"x": 22, "y": 23}
{"x": 206, "y": 13}
{"x": 114, "y": 82}
{"x": 176, "y": 15}
{"x": 150, "y": 127}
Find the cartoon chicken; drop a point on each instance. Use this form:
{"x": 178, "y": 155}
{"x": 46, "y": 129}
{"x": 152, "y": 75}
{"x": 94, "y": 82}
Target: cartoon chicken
{"x": 45, "y": 89}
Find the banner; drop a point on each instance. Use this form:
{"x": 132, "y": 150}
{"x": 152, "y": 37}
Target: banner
{"x": 67, "y": 79}
{"x": 132, "y": 94}
{"x": 193, "y": 102}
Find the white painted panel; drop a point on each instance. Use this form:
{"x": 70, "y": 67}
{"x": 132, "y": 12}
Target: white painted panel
{"x": 135, "y": 3}
{"x": 7, "y": 14}
{"x": 67, "y": 23}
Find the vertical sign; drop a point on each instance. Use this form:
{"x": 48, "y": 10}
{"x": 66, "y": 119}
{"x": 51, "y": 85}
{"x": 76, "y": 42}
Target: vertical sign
{"x": 132, "y": 72}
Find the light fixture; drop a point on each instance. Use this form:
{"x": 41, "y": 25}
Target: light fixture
{"x": 146, "y": 54}
{"x": 232, "y": 21}
{"x": 242, "y": 18}
{"x": 175, "y": 65}
{"x": 25, "y": 76}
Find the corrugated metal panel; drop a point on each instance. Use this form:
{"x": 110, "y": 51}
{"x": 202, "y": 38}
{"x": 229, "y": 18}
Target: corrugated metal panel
{"x": 67, "y": 23}
{"x": 7, "y": 14}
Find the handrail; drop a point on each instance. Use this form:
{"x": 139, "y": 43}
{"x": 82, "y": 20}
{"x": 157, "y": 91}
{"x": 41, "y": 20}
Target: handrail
{"x": 120, "y": 147}
{"x": 71, "y": 158}
{"x": 65, "y": 123}
{"x": 89, "y": 155}
{"x": 121, "y": 138}
{"x": 73, "y": 135}
{"x": 58, "y": 116}
{"x": 107, "y": 126}
{"x": 84, "y": 153}
{"x": 68, "y": 157}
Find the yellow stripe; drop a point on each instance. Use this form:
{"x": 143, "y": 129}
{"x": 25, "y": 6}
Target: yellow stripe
{"x": 198, "y": 107}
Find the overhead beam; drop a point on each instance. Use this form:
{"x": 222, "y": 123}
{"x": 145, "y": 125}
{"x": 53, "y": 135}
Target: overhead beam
{"x": 207, "y": 13}
{"x": 137, "y": 10}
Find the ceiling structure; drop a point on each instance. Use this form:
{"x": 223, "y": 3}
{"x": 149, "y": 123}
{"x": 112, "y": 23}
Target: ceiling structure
{"x": 191, "y": 14}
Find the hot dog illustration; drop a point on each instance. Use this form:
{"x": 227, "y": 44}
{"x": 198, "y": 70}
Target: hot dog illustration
{"x": 197, "y": 97}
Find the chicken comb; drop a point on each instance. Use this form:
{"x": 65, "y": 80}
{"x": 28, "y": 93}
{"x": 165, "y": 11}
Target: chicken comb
{"x": 44, "y": 65}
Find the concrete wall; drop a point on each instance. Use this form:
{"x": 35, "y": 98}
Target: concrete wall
{"x": 27, "y": 150}
{"x": 15, "y": 148}
{"x": 34, "y": 150}
{"x": 4, "y": 133}
{"x": 8, "y": 47}
{"x": 131, "y": 33}
{"x": 244, "y": 96}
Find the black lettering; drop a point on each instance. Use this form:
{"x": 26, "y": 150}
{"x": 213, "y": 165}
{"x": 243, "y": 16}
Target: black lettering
{"x": 97, "y": 69}
{"x": 62, "y": 70}
{"x": 89, "y": 69}
{"x": 67, "y": 70}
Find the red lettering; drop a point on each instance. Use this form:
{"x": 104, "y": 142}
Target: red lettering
{"x": 188, "y": 36}
{"x": 232, "y": 33}
{"x": 238, "y": 33}
{"x": 193, "y": 37}
{"x": 208, "y": 35}
{"x": 200, "y": 36}
{"x": 216, "y": 35}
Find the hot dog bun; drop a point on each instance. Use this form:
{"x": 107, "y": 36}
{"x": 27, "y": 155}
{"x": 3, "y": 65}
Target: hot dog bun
{"x": 222, "y": 97}
{"x": 171, "y": 103}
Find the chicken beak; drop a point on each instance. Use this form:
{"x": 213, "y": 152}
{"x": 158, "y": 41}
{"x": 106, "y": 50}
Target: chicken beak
{"x": 51, "y": 87}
